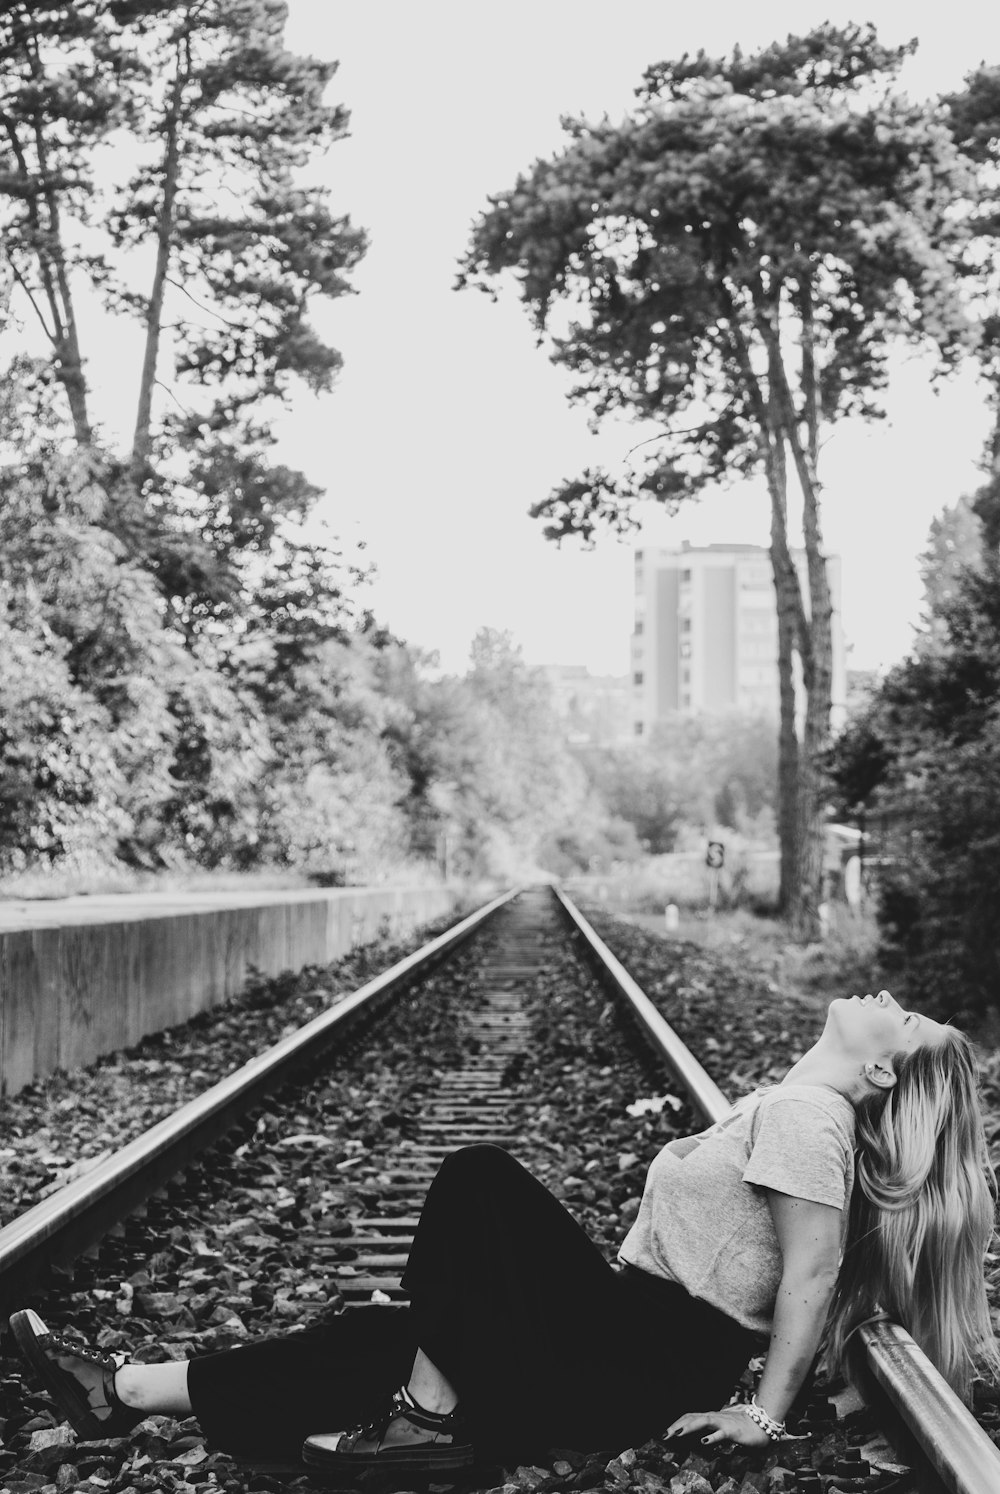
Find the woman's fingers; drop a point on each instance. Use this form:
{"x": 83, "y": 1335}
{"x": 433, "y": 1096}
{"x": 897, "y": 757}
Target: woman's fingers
{"x": 693, "y": 1421}
{"x": 714, "y": 1433}
{"x": 727, "y": 1425}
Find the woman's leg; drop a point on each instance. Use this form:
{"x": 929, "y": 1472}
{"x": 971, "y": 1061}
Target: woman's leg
{"x": 162, "y": 1389}
{"x": 509, "y": 1307}
{"x": 155, "y": 1389}
{"x": 269, "y": 1395}
{"x": 265, "y": 1397}
{"x": 516, "y": 1265}
{"x": 510, "y": 1300}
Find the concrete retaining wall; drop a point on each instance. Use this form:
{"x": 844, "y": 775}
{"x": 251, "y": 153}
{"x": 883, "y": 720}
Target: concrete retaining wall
{"x": 70, "y": 991}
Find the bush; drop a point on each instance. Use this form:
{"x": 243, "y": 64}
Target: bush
{"x": 937, "y": 905}
{"x": 925, "y": 757}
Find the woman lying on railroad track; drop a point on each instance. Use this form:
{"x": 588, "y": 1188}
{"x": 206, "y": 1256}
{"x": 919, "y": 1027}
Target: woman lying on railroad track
{"x": 858, "y": 1184}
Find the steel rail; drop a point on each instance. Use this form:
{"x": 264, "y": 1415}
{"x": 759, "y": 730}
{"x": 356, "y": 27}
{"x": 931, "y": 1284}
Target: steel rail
{"x": 706, "y": 1096}
{"x": 956, "y": 1446}
{"x": 71, "y": 1220}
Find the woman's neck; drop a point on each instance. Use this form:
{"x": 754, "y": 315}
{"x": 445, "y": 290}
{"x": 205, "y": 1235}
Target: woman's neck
{"x": 831, "y": 1070}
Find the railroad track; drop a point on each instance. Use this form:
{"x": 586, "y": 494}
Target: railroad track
{"x": 468, "y": 1103}
{"x": 327, "y": 1181}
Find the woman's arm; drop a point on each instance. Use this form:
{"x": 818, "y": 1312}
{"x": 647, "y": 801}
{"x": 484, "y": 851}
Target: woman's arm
{"x": 809, "y": 1235}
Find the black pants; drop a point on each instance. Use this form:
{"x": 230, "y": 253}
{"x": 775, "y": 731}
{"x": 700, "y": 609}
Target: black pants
{"x": 545, "y": 1342}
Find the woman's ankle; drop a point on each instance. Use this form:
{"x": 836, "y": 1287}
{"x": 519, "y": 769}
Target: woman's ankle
{"x": 128, "y": 1387}
{"x": 429, "y": 1388}
{"x": 433, "y": 1403}
{"x": 159, "y": 1389}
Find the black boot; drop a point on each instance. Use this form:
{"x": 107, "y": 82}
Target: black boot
{"x": 79, "y": 1380}
{"x": 401, "y": 1437}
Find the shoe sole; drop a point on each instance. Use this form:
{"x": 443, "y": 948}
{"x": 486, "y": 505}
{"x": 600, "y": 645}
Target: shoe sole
{"x": 77, "y": 1412}
{"x": 468, "y": 1480}
{"x": 282, "y": 1468}
{"x": 402, "y": 1460}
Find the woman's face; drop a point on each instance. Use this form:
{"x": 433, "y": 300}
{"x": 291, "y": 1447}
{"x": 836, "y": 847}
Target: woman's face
{"x": 874, "y": 1027}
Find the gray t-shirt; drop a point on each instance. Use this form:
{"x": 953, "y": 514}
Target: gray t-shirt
{"x": 704, "y": 1219}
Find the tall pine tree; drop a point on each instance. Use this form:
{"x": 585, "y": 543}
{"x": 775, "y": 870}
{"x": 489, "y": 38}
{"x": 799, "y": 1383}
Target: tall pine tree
{"x": 733, "y": 262}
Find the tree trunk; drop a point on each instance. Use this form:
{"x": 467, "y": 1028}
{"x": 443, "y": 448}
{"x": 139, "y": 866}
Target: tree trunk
{"x": 44, "y": 241}
{"x": 813, "y": 792}
{"x": 816, "y": 649}
{"x": 788, "y": 741}
{"x": 813, "y": 786}
{"x": 142, "y": 440}
{"x": 789, "y": 606}
{"x": 69, "y": 361}
{"x": 793, "y": 624}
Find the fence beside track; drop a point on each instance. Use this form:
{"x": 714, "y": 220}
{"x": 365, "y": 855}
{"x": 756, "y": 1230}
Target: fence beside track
{"x": 66, "y": 1224}
{"x": 86, "y": 976}
{"x": 961, "y": 1457}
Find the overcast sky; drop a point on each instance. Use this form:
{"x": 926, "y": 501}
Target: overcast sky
{"x": 448, "y": 422}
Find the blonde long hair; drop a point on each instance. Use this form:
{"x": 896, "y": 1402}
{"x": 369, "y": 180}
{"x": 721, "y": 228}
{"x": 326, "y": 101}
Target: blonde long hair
{"x": 922, "y": 1218}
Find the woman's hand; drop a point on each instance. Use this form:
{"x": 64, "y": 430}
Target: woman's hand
{"x": 728, "y": 1425}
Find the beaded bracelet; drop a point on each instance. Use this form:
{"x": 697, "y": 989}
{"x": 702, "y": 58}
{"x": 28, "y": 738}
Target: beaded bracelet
{"x": 756, "y": 1413}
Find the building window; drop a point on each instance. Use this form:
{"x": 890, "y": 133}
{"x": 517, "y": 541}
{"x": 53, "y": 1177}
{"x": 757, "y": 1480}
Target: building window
{"x": 685, "y": 676}
{"x": 685, "y": 625}
{"x": 638, "y": 728}
{"x": 637, "y": 677}
{"x": 638, "y": 557}
{"x": 686, "y": 574}
{"x": 638, "y": 626}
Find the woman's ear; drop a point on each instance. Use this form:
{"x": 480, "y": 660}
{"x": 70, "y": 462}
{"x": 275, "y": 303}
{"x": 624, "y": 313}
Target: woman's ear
{"x": 882, "y": 1075}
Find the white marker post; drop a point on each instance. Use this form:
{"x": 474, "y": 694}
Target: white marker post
{"x": 715, "y": 860}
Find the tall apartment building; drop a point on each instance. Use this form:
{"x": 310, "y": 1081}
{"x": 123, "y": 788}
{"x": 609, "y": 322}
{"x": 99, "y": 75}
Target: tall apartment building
{"x": 706, "y": 633}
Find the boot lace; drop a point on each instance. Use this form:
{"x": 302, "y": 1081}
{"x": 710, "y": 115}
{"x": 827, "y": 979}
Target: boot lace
{"x": 64, "y": 1345}
{"x": 377, "y": 1425}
